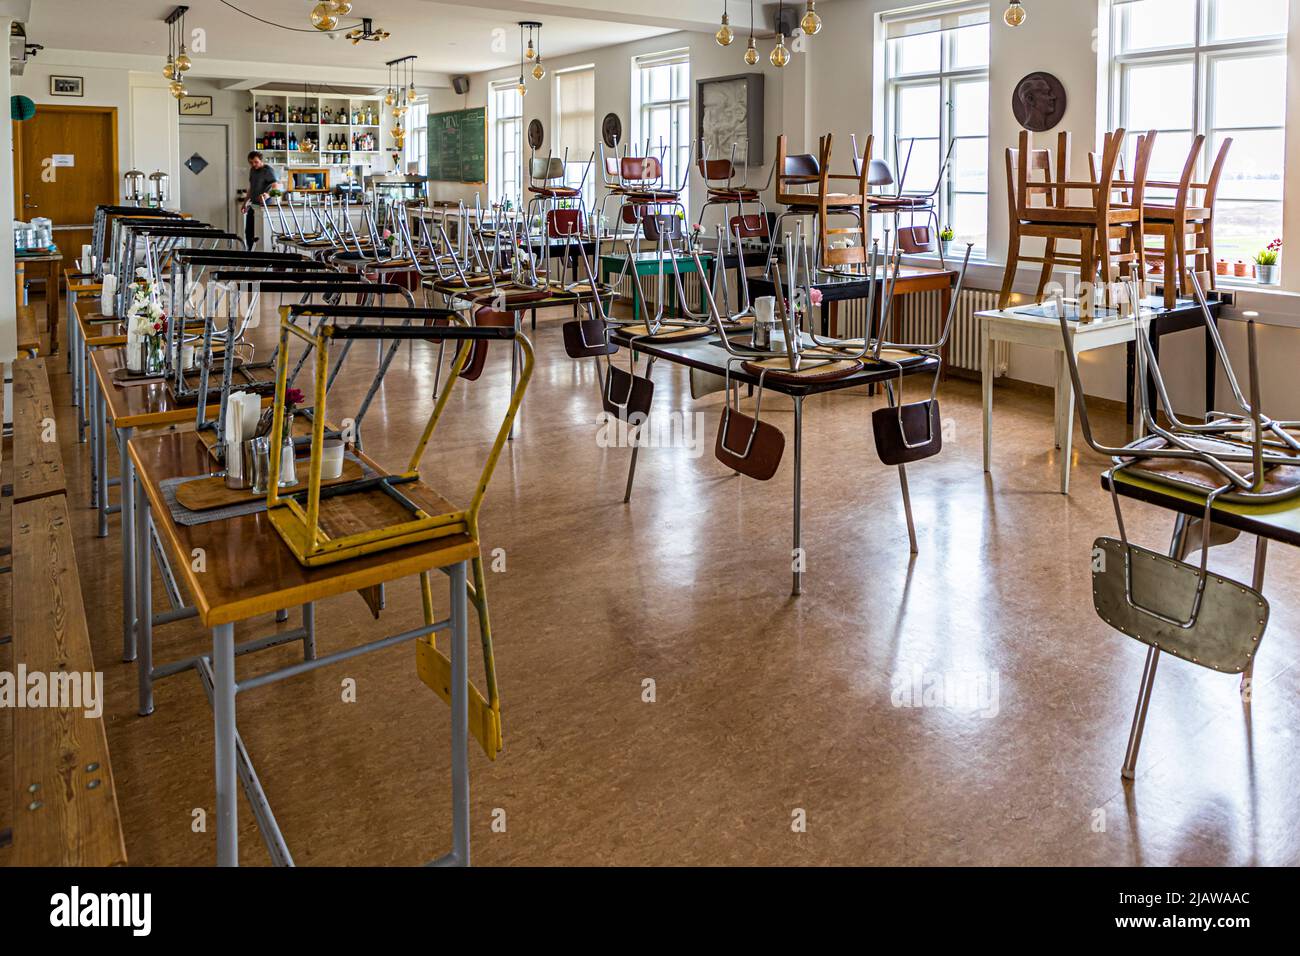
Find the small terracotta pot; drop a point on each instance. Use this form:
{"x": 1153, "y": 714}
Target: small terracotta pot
{"x": 1221, "y": 268}
{"x": 1240, "y": 269}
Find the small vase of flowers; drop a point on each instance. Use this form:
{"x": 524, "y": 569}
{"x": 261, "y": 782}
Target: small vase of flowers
{"x": 1266, "y": 261}
{"x": 146, "y": 327}
{"x": 946, "y": 236}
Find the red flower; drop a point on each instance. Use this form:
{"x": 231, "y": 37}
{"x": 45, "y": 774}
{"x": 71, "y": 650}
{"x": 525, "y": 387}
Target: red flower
{"x": 293, "y": 398}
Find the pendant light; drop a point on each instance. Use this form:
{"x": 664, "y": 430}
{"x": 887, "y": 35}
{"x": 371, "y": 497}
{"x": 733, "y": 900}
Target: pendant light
{"x": 1015, "y": 14}
{"x": 779, "y": 56}
{"x": 751, "y": 51}
{"x": 811, "y": 24}
{"x": 539, "y": 71}
{"x": 323, "y": 17}
{"x": 173, "y": 70}
{"x": 183, "y": 62}
{"x": 725, "y": 34}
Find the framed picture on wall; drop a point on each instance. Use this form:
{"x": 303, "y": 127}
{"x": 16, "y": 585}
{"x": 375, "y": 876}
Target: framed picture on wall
{"x": 195, "y": 105}
{"x": 730, "y": 112}
{"x": 67, "y": 86}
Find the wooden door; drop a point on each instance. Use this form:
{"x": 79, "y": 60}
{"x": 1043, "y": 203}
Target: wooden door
{"x": 66, "y": 163}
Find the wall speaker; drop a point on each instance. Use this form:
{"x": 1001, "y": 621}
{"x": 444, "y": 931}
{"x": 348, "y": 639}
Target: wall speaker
{"x": 460, "y": 84}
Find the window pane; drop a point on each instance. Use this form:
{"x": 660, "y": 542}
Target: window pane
{"x": 970, "y": 47}
{"x": 1227, "y": 22}
{"x": 917, "y": 54}
{"x": 1254, "y": 166}
{"x": 969, "y": 169}
{"x": 1167, "y": 161}
{"x": 970, "y": 216}
{"x": 920, "y": 165}
{"x": 1242, "y": 229}
{"x": 1249, "y": 91}
{"x": 918, "y": 111}
{"x": 1160, "y": 96}
{"x": 970, "y": 108}
{"x": 1152, "y": 24}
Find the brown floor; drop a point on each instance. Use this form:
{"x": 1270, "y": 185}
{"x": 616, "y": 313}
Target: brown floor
{"x": 765, "y": 704}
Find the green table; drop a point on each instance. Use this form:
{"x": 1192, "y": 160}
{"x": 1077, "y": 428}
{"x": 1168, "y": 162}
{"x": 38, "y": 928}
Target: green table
{"x": 648, "y": 264}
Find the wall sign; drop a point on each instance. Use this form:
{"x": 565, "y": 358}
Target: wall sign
{"x": 1038, "y": 102}
{"x": 67, "y": 86}
{"x": 68, "y": 160}
{"x": 195, "y": 105}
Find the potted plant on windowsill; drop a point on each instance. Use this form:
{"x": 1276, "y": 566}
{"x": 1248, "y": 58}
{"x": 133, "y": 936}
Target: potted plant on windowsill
{"x": 1266, "y": 263}
{"x": 946, "y": 236}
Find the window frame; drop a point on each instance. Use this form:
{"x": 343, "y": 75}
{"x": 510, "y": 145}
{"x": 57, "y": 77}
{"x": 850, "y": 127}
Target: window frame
{"x": 418, "y": 137}
{"x": 1203, "y": 55}
{"x": 499, "y": 128}
{"x": 945, "y": 78}
{"x": 576, "y": 165}
{"x": 677, "y": 159}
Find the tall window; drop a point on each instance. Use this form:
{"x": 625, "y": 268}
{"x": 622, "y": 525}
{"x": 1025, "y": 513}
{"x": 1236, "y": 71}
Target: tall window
{"x": 661, "y": 103}
{"x": 575, "y": 108}
{"x": 1212, "y": 67}
{"x": 936, "y": 99}
{"x": 415, "y": 151}
{"x": 505, "y": 131}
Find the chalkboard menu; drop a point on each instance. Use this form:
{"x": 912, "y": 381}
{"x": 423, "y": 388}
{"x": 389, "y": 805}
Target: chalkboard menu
{"x": 458, "y": 146}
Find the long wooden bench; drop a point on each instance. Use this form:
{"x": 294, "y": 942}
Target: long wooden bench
{"x": 64, "y": 808}
{"x": 37, "y": 463}
{"x": 65, "y": 804}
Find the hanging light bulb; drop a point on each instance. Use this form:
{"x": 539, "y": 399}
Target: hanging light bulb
{"x": 811, "y": 23}
{"x": 751, "y": 53}
{"x": 523, "y": 90}
{"x": 169, "y": 71}
{"x": 183, "y": 62}
{"x": 342, "y": 7}
{"x": 725, "y": 34}
{"x": 177, "y": 88}
{"x": 539, "y": 71}
{"x": 389, "y": 98}
{"x": 779, "y": 56}
{"x": 531, "y": 52}
{"x": 1015, "y": 14}
{"x": 411, "y": 95}
{"x": 323, "y": 18}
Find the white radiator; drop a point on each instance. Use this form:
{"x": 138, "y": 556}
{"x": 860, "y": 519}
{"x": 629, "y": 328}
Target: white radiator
{"x": 650, "y": 289}
{"x": 922, "y": 321}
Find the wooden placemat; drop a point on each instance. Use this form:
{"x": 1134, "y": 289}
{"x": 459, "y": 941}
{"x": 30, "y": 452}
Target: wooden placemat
{"x": 204, "y": 494}
{"x": 641, "y": 331}
{"x": 779, "y": 367}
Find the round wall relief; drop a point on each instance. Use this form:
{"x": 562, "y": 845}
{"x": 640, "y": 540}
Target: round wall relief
{"x": 1038, "y": 102}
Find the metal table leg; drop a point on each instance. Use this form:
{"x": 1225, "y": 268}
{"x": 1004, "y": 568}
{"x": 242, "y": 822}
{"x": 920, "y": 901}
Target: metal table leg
{"x": 1257, "y": 582}
{"x": 126, "y": 481}
{"x": 223, "y": 707}
{"x": 143, "y": 602}
{"x": 1149, "y": 670}
{"x": 309, "y": 631}
{"x": 797, "y": 556}
{"x": 459, "y": 855}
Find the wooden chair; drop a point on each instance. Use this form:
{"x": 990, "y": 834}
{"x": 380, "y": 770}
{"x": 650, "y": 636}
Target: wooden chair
{"x": 1094, "y": 225}
{"x": 1188, "y": 215}
{"x": 796, "y": 173}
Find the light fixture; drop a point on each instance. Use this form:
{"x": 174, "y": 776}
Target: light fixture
{"x": 366, "y": 31}
{"x": 751, "y": 51}
{"x": 530, "y": 51}
{"x": 411, "y": 95}
{"x": 323, "y": 17}
{"x": 178, "y": 62}
{"x": 342, "y": 7}
{"x": 401, "y": 80}
{"x": 811, "y": 23}
{"x": 780, "y": 56}
{"x": 725, "y": 34}
{"x": 1015, "y": 14}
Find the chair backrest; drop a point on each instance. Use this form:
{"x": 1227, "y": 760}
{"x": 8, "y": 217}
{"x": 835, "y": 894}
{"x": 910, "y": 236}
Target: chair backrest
{"x": 640, "y": 169}
{"x": 1030, "y": 161}
{"x": 1216, "y": 173}
{"x": 668, "y": 225}
{"x": 546, "y": 168}
{"x": 563, "y": 223}
{"x": 800, "y": 169}
{"x": 715, "y": 170}
{"x": 753, "y": 226}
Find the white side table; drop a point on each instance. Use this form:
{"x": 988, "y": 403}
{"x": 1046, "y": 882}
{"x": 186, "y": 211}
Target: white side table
{"x": 1020, "y": 326}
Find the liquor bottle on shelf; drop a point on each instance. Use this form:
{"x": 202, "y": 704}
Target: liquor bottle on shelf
{"x": 293, "y": 142}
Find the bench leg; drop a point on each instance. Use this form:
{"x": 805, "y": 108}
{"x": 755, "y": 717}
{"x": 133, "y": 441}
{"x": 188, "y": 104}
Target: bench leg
{"x": 309, "y": 632}
{"x": 223, "y": 706}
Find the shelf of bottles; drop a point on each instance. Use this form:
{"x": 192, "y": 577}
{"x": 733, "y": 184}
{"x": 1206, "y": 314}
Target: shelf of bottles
{"x": 339, "y": 131}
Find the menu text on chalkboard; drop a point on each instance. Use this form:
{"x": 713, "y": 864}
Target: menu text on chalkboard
{"x": 458, "y": 146}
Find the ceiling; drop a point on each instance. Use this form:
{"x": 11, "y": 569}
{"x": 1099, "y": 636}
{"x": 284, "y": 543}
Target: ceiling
{"x": 448, "y": 37}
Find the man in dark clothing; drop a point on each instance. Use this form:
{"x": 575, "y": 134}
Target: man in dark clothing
{"x": 261, "y": 180}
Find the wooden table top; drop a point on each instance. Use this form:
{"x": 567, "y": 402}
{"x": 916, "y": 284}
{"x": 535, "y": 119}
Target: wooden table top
{"x": 94, "y": 324}
{"x": 138, "y": 406}
{"x": 80, "y": 282}
{"x": 42, "y": 257}
{"x": 249, "y": 570}
{"x": 1276, "y": 522}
